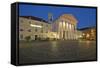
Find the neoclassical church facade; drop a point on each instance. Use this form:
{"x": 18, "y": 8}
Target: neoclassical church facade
{"x": 66, "y": 27}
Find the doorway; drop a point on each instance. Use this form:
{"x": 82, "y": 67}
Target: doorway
{"x": 36, "y": 37}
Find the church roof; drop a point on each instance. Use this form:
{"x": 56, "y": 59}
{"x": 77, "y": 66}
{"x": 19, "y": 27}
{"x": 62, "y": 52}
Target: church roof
{"x": 69, "y": 17}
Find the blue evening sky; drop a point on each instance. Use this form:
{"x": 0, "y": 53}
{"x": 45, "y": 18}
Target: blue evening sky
{"x": 86, "y": 16}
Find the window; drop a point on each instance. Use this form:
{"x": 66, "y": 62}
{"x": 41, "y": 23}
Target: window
{"x": 21, "y": 36}
{"x": 21, "y": 30}
{"x": 29, "y": 30}
{"x": 41, "y": 30}
{"x": 29, "y": 22}
{"x": 35, "y": 29}
{"x": 41, "y": 24}
{"x": 21, "y": 21}
{"x": 47, "y": 31}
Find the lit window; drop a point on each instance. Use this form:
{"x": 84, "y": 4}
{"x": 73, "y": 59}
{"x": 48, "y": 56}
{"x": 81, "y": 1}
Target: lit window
{"x": 38, "y": 26}
{"x": 87, "y": 35}
{"x": 41, "y": 30}
{"x": 92, "y": 31}
{"x": 83, "y": 33}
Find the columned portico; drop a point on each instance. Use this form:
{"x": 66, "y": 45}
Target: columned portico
{"x": 66, "y": 24}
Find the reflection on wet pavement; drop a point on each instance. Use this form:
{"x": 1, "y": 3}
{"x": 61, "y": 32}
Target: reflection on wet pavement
{"x": 53, "y": 51}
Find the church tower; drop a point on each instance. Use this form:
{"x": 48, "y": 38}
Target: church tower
{"x": 50, "y": 17}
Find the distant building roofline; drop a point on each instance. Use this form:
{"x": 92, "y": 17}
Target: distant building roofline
{"x": 35, "y": 18}
{"x": 87, "y": 28}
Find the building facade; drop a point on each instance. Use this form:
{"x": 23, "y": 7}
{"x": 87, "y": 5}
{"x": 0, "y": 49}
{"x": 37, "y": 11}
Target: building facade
{"x": 89, "y": 33}
{"x": 66, "y": 27}
{"x": 33, "y": 28}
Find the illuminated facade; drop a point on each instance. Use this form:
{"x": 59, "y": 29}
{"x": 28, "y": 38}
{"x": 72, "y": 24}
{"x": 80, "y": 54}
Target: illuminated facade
{"x": 33, "y": 27}
{"x": 65, "y": 26}
{"x": 89, "y": 33}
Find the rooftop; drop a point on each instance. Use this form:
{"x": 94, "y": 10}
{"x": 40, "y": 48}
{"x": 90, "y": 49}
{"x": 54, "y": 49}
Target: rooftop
{"x": 69, "y": 16}
{"x": 35, "y": 18}
{"x": 86, "y": 28}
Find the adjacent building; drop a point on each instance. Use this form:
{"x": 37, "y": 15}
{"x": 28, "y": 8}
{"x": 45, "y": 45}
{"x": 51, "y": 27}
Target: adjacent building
{"x": 33, "y": 28}
{"x": 89, "y": 33}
